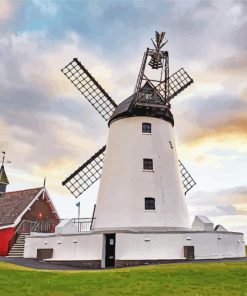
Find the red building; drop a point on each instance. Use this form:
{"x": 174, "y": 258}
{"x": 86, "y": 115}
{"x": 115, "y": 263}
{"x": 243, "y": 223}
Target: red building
{"x": 23, "y": 211}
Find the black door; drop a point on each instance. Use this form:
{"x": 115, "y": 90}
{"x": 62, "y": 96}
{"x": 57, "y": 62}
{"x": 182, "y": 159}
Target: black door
{"x": 110, "y": 242}
{"x": 189, "y": 252}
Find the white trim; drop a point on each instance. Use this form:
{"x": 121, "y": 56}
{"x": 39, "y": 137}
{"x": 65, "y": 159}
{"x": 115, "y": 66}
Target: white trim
{"x": 18, "y": 219}
{"x": 52, "y": 205}
{"x": 7, "y": 226}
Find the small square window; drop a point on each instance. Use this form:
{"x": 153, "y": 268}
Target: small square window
{"x": 149, "y": 203}
{"x": 147, "y": 164}
{"x": 146, "y": 128}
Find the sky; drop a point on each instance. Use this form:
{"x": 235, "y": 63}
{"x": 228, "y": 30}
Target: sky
{"x": 48, "y": 129}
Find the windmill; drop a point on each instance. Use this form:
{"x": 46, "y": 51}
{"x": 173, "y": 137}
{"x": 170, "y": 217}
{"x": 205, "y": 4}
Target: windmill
{"x": 141, "y": 213}
{"x": 163, "y": 90}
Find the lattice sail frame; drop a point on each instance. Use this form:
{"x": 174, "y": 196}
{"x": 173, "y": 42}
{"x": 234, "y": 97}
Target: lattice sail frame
{"x": 178, "y": 81}
{"x": 90, "y": 88}
{"x": 187, "y": 181}
{"x": 86, "y": 175}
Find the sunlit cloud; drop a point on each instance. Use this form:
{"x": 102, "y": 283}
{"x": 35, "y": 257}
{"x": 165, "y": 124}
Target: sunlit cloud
{"x": 7, "y": 10}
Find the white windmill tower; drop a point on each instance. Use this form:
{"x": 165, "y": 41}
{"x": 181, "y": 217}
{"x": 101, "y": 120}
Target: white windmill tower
{"x": 140, "y": 186}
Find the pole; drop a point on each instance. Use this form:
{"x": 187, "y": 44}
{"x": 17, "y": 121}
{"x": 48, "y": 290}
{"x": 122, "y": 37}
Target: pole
{"x": 79, "y": 207}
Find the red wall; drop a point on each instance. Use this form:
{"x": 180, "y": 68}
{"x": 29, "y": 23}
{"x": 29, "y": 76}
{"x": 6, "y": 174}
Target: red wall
{"x": 40, "y": 210}
{"x": 5, "y": 235}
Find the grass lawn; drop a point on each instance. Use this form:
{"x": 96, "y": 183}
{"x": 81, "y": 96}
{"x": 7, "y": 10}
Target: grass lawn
{"x": 173, "y": 279}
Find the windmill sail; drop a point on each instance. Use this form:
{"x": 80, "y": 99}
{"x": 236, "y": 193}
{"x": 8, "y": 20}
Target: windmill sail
{"x": 89, "y": 87}
{"x": 86, "y": 175}
{"x": 187, "y": 180}
{"x": 178, "y": 81}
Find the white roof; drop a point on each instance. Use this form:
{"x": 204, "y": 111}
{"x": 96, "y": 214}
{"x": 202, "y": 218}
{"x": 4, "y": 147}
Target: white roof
{"x": 204, "y": 219}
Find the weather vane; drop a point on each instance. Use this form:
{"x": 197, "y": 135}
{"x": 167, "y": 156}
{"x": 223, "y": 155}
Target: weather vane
{"x": 3, "y": 158}
{"x": 157, "y": 55}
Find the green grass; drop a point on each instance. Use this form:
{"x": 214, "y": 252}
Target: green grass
{"x": 175, "y": 279}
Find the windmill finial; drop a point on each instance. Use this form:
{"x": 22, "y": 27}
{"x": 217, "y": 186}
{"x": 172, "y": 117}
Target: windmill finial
{"x": 44, "y": 183}
{"x": 3, "y": 157}
{"x": 159, "y": 37}
{"x": 157, "y": 55}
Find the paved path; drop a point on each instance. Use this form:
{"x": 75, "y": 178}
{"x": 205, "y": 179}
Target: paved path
{"x": 37, "y": 264}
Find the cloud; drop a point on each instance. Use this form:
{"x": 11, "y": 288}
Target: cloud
{"x": 225, "y": 206}
{"x": 231, "y": 201}
{"x": 46, "y": 7}
{"x": 209, "y": 123}
{"x": 7, "y": 10}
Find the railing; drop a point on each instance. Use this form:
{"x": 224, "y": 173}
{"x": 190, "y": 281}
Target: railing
{"x": 24, "y": 227}
{"x": 45, "y": 226}
{"x": 83, "y": 224}
{"x": 48, "y": 226}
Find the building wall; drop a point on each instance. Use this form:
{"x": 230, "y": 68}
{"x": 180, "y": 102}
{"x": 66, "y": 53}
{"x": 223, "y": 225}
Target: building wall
{"x": 170, "y": 245}
{"x": 124, "y": 184}
{"x": 72, "y": 247}
{"x": 5, "y": 235}
{"x": 138, "y": 248}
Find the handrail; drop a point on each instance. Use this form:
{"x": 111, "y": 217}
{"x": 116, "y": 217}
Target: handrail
{"x": 18, "y": 231}
{"x": 83, "y": 224}
{"x": 46, "y": 226}
{"x": 21, "y": 224}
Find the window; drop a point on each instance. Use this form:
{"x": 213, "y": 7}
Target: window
{"x": 146, "y": 128}
{"x": 149, "y": 203}
{"x": 147, "y": 164}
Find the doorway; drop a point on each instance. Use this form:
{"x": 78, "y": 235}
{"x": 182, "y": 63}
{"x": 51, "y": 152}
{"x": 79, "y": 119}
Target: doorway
{"x": 110, "y": 243}
{"x": 189, "y": 252}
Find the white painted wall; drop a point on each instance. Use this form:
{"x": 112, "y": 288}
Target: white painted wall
{"x": 72, "y": 247}
{"x": 130, "y": 246}
{"x": 66, "y": 227}
{"x": 202, "y": 223}
{"x": 139, "y": 246}
{"x": 124, "y": 184}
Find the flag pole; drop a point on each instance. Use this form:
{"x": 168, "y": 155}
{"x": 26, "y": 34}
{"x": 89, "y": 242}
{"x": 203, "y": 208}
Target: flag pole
{"x": 79, "y": 207}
